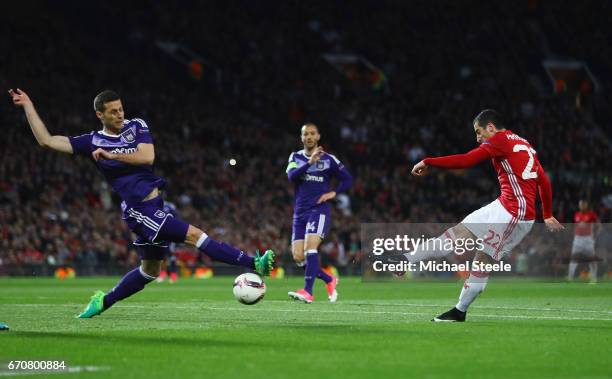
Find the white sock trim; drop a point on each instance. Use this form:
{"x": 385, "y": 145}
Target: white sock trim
{"x": 201, "y": 240}
{"x": 311, "y": 251}
{"x": 145, "y": 275}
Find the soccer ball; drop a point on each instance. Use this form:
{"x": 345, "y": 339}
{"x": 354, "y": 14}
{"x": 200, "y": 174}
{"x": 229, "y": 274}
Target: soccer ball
{"x": 249, "y": 288}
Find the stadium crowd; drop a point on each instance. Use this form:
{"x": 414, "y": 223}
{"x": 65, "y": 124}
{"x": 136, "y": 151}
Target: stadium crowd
{"x": 266, "y": 79}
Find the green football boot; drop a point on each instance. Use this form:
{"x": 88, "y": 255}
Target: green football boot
{"x": 95, "y": 306}
{"x": 264, "y": 264}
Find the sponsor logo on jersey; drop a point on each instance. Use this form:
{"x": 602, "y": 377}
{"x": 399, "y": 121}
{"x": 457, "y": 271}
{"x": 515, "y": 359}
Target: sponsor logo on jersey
{"x": 321, "y": 165}
{"x": 314, "y": 178}
{"x": 124, "y": 150}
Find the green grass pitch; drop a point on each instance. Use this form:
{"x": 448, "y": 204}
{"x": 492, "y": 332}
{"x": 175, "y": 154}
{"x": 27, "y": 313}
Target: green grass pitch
{"x": 195, "y": 329}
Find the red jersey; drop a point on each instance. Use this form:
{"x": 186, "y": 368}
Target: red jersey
{"x": 584, "y": 223}
{"x": 519, "y": 172}
{"x": 517, "y": 167}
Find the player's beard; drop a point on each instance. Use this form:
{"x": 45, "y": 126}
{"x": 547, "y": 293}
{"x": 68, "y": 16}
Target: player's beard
{"x": 310, "y": 149}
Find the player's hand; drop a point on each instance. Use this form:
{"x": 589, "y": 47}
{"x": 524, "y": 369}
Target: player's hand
{"x": 419, "y": 169}
{"x": 316, "y": 155}
{"x": 101, "y": 154}
{"x": 19, "y": 97}
{"x": 326, "y": 196}
{"x": 553, "y": 225}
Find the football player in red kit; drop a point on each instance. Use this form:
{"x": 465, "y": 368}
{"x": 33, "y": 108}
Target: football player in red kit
{"x": 503, "y": 223}
{"x": 583, "y": 247}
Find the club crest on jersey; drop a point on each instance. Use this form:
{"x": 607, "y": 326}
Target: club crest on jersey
{"x": 160, "y": 214}
{"x": 128, "y": 136}
{"x": 321, "y": 165}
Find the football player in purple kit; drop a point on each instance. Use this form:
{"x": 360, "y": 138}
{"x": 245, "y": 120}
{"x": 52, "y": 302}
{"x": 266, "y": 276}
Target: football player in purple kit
{"x": 124, "y": 153}
{"x": 311, "y": 170}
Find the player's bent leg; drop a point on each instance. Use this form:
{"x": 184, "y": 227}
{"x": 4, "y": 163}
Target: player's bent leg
{"x": 438, "y": 248}
{"x": 223, "y": 252}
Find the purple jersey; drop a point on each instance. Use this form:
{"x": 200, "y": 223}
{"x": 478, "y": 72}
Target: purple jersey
{"x": 132, "y": 182}
{"x": 312, "y": 181}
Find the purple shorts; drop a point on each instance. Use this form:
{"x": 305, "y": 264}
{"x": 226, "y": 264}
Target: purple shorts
{"x": 314, "y": 221}
{"x": 154, "y": 227}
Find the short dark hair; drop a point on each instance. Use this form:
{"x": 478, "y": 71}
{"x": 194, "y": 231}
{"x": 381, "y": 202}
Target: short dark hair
{"x": 489, "y": 116}
{"x": 103, "y": 98}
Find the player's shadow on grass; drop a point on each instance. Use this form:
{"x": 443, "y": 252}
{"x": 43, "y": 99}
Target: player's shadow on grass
{"x": 130, "y": 339}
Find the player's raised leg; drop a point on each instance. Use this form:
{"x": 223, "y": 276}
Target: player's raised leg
{"x": 223, "y": 252}
{"x": 438, "y": 248}
{"x": 149, "y": 221}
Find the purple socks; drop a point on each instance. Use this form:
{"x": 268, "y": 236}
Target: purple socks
{"x": 223, "y": 252}
{"x": 131, "y": 283}
{"x": 323, "y": 276}
{"x": 312, "y": 270}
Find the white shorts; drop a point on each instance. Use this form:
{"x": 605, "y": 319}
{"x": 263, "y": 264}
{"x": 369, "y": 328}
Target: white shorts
{"x": 583, "y": 245}
{"x": 499, "y": 230}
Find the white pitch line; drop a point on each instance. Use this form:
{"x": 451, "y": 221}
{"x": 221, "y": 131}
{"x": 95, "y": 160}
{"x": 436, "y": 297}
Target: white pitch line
{"x": 318, "y": 310}
{"x": 422, "y": 314}
{"x": 68, "y": 370}
{"x": 350, "y": 303}
{"x": 480, "y": 307}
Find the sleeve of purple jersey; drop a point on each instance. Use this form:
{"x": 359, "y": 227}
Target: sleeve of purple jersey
{"x": 81, "y": 145}
{"x": 294, "y": 173}
{"x": 346, "y": 180}
{"x": 143, "y": 135}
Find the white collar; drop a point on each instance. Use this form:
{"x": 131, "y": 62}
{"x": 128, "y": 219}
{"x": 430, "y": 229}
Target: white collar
{"x": 107, "y": 134}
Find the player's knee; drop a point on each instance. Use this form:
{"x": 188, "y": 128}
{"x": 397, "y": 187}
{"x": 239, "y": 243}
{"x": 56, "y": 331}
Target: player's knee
{"x": 484, "y": 258}
{"x": 312, "y": 242}
{"x": 460, "y": 231}
{"x": 193, "y": 235}
{"x": 151, "y": 268}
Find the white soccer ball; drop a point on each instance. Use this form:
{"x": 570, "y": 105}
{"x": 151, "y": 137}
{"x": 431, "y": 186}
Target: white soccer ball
{"x": 249, "y": 288}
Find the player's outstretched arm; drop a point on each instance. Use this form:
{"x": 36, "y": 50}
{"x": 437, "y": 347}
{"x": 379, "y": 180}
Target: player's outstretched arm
{"x": 42, "y": 135}
{"x": 144, "y": 155}
{"x": 451, "y": 162}
{"x": 545, "y": 190}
